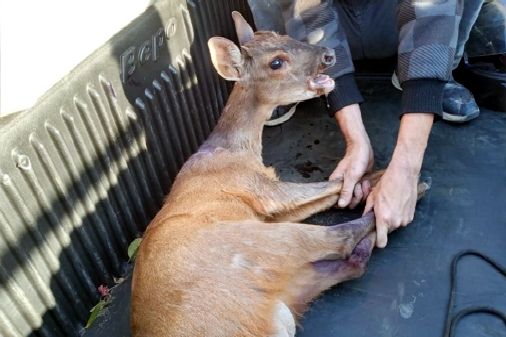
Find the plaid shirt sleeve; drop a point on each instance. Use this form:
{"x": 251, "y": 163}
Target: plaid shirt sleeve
{"x": 428, "y": 32}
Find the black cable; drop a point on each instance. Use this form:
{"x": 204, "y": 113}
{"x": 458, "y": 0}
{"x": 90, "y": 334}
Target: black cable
{"x": 451, "y": 323}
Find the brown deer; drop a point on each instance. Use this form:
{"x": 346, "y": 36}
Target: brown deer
{"x": 226, "y": 256}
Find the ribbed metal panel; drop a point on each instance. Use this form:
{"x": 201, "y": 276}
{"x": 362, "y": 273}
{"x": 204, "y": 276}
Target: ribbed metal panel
{"x": 83, "y": 172}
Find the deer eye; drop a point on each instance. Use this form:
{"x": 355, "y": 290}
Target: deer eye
{"x": 276, "y": 64}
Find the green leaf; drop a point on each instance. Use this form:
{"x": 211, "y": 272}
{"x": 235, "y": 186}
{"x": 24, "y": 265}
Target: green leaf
{"x": 133, "y": 248}
{"x": 94, "y": 312}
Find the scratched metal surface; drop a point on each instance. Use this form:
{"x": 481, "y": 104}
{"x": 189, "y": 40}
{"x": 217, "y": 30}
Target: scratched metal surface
{"x": 406, "y": 289}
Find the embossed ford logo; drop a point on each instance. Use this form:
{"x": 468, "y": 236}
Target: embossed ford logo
{"x": 148, "y": 51}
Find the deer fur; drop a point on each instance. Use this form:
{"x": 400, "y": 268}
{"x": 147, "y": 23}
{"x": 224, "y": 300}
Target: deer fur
{"x": 226, "y": 255}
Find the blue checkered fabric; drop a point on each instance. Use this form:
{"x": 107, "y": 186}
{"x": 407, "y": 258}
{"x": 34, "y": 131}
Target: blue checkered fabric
{"x": 431, "y": 39}
{"x": 428, "y": 35}
{"x": 317, "y": 22}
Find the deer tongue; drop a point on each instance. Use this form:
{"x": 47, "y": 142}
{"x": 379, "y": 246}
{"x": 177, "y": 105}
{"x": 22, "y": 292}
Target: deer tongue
{"x": 322, "y": 81}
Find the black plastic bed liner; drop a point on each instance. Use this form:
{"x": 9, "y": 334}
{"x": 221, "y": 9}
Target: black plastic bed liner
{"x": 406, "y": 289}
{"x": 84, "y": 171}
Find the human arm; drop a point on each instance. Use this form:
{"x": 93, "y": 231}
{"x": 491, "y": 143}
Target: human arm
{"x": 357, "y": 160}
{"x": 427, "y": 42}
{"x": 394, "y": 197}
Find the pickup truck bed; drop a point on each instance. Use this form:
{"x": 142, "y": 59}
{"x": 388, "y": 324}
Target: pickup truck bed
{"x": 84, "y": 171}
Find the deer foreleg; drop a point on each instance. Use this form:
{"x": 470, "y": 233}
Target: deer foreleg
{"x": 270, "y": 198}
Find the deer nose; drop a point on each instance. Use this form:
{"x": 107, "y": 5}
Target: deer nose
{"x": 329, "y": 58}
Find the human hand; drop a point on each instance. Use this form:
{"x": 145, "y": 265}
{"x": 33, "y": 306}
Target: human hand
{"x": 394, "y": 200}
{"x": 357, "y": 161}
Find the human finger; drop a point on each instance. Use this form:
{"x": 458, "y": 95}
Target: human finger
{"x": 358, "y": 194}
{"x": 381, "y": 234}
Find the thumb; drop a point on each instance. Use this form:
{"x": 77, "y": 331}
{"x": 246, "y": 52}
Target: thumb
{"x": 381, "y": 235}
{"x": 338, "y": 173}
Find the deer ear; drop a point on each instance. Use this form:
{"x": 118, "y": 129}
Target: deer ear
{"x": 243, "y": 29}
{"x": 226, "y": 58}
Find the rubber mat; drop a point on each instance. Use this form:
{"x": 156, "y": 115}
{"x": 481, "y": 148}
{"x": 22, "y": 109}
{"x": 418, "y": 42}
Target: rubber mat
{"x": 407, "y": 286}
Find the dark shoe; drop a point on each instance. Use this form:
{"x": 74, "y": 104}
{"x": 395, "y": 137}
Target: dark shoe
{"x": 459, "y": 105}
{"x": 281, "y": 114}
{"x": 485, "y": 77}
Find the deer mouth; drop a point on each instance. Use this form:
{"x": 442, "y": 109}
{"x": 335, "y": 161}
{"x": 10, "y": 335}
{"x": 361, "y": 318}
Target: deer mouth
{"x": 322, "y": 82}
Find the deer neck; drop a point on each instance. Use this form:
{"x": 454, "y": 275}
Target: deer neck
{"x": 241, "y": 123}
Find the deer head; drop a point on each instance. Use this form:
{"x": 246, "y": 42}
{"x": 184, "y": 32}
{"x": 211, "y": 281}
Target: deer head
{"x": 276, "y": 68}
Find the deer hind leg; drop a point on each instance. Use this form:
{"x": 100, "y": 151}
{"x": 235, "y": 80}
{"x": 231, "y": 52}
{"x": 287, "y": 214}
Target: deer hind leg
{"x": 262, "y": 259}
{"x": 288, "y": 244}
{"x": 316, "y": 277}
